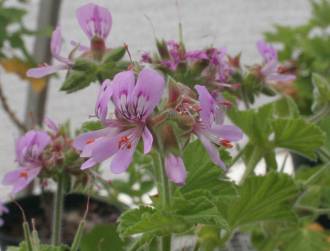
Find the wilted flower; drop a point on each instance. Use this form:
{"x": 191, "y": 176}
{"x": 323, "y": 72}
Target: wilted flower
{"x": 209, "y": 126}
{"x": 3, "y": 210}
{"x": 55, "y": 48}
{"x": 29, "y": 149}
{"x": 175, "y": 169}
{"x": 134, "y": 101}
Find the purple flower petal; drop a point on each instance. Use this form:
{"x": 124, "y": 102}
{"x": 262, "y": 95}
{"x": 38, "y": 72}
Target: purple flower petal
{"x": 147, "y": 140}
{"x": 105, "y": 93}
{"x": 228, "y": 132}
{"x": 122, "y": 159}
{"x": 122, "y": 87}
{"x": 148, "y": 91}
{"x": 44, "y": 71}
{"x": 51, "y": 124}
{"x": 20, "y": 178}
{"x": 175, "y": 169}
{"x": 88, "y": 164}
{"x": 56, "y": 42}
{"x": 267, "y": 51}
{"x": 94, "y": 20}
{"x": 212, "y": 151}
{"x": 210, "y": 111}
{"x": 89, "y": 137}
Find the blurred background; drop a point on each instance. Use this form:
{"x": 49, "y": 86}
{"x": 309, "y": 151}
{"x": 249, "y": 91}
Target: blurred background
{"x": 235, "y": 24}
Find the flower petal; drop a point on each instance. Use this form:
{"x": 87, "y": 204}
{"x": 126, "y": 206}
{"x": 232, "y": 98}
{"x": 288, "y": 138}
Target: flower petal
{"x": 148, "y": 91}
{"x": 51, "y": 124}
{"x": 210, "y": 111}
{"x": 267, "y": 51}
{"x": 228, "y": 132}
{"x": 122, "y": 159}
{"x": 43, "y": 71}
{"x": 56, "y": 42}
{"x": 122, "y": 87}
{"x": 212, "y": 151}
{"x": 94, "y": 20}
{"x": 147, "y": 140}
{"x": 175, "y": 169}
{"x": 88, "y": 164}
{"x": 20, "y": 178}
{"x": 87, "y": 138}
{"x": 105, "y": 93}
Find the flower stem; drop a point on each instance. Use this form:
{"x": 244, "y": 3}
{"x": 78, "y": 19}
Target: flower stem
{"x": 251, "y": 164}
{"x": 164, "y": 194}
{"x": 58, "y": 211}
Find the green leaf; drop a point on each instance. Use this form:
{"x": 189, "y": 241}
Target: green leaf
{"x": 102, "y": 238}
{"x": 84, "y": 65}
{"x": 298, "y": 135}
{"x": 77, "y": 80}
{"x": 261, "y": 198}
{"x": 91, "y": 126}
{"x": 148, "y": 220}
{"x": 202, "y": 173}
{"x": 115, "y": 54}
{"x": 298, "y": 239}
{"x": 321, "y": 92}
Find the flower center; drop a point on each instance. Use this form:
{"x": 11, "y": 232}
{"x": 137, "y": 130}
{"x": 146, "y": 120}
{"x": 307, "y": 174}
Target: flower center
{"x": 124, "y": 142}
{"x": 23, "y": 174}
{"x": 226, "y": 143}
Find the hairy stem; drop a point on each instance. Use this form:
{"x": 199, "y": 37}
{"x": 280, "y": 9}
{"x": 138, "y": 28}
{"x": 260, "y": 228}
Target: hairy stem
{"x": 58, "y": 211}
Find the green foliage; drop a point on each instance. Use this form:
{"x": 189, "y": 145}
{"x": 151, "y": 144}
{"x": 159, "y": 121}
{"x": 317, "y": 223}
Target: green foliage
{"x": 85, "y": 71}
{"x": 260, "y": 199}
{"x": 23, "y": 247}
{"x": 307, "y": 46}
{"x": 277, "y": 125}
{"x": 298, "y": 135}
{"x": 321, "y": 92}
{"x": 102, "y": 238}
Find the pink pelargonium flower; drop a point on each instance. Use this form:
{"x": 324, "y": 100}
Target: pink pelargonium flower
{"x": 209, "y": 126}
{"x": 134, "y": 101}
{"x": 29, "y": 149}
{"x": 3, "y": 210}
{"x": 175, "y": 169}
{"x": 267, "y": 51}
{"x": 55, "y": 48}
{"x": 271, "y": 71}
{"x": 94, "y": 20}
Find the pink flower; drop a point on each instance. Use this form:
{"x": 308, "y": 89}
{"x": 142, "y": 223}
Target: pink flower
{"x": 55, "y": 48}
{"x": 94, "y": 20}
{"x": 134, "y": 101}
{"x": 271, "y": 69}
{"x": 29, "y": 149}
{"x": 175, "y": 169}
{"x": 209, "y": 126}
{"x": 3, "y": 210}
{"x": 267, "y": 51}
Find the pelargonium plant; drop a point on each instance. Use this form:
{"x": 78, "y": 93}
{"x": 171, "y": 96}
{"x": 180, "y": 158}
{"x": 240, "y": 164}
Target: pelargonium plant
{"x": 175, "y": 117}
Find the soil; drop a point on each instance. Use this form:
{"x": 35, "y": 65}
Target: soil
{"x": 40, "y": 208}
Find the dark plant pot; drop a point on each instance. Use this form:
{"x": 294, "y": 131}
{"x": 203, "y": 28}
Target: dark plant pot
{"x": 40, "y": 208}
{"x": 299, "y": 161}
